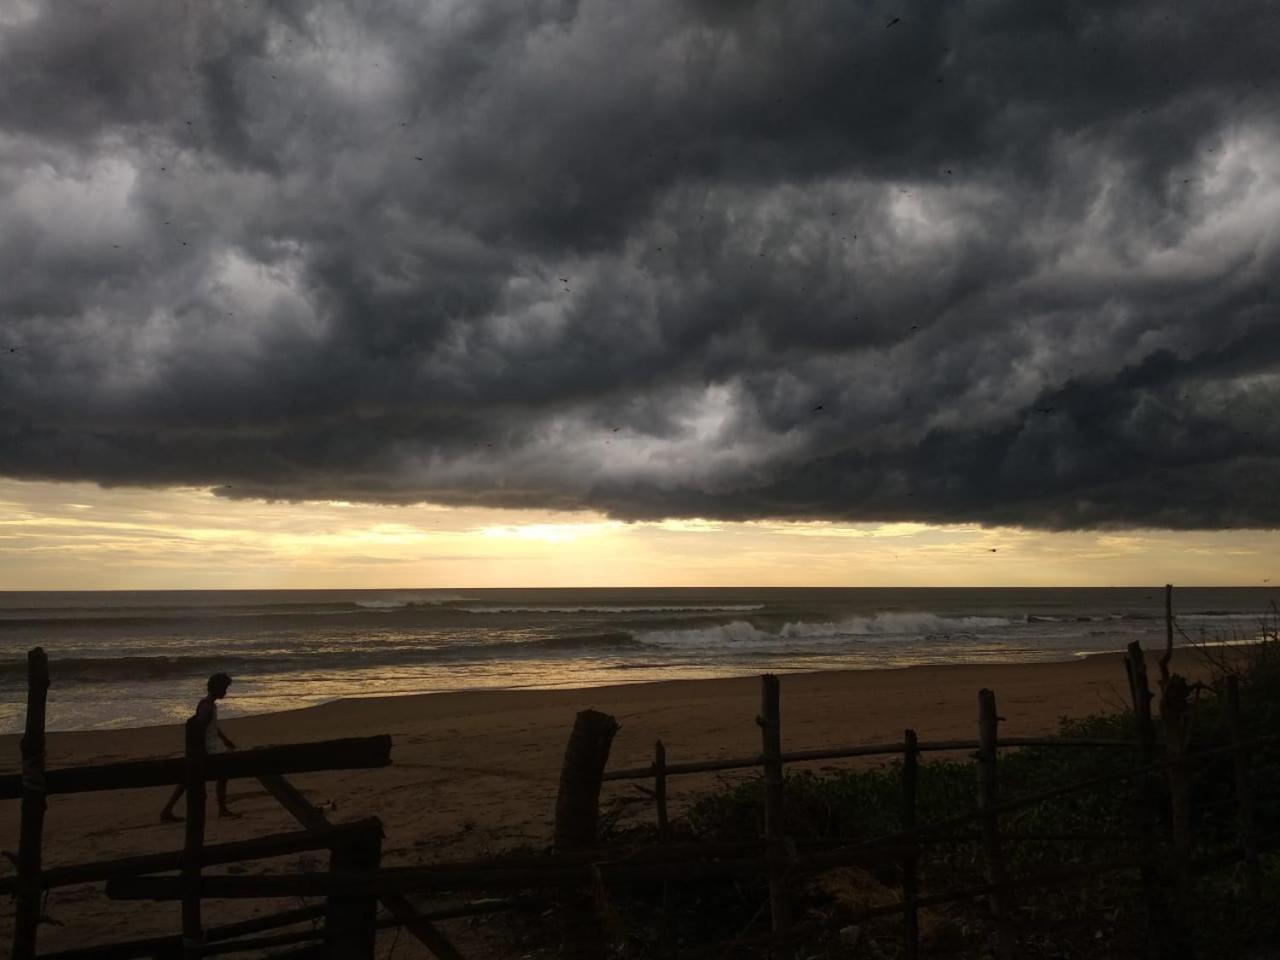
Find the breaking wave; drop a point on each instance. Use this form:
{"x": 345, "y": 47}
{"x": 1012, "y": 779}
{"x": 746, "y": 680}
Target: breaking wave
{"x": 741, "y": 634}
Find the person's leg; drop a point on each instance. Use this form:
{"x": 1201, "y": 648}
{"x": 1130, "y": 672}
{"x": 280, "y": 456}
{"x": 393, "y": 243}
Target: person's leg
{"x": 223, "y": 809}
{"x": 167, "y": 813}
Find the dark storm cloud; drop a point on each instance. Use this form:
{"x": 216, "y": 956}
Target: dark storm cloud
{"x": 995, "y": 262}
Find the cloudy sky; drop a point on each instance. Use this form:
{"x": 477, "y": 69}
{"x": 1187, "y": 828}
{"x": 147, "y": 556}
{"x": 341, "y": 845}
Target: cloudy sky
{"x": 391, "y": 292}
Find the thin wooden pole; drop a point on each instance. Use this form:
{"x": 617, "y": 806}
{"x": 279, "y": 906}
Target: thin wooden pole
{"x": 664, "y": 834}
{"x": 1175, "y": 707}
{"x": 1244, "y": 793}
{"x": 910, "y": 864}
{"x": 660, "y": 789}
{"x": 351, "y": 920}
{"x": 770, "y": 721}
{"x": 1168, "y": 634}
{"x": 1147, "y": 801}
{"x": 577, "y": 815}
{"x": 27, "y": 911}
{"x": 988, "y": 797}
{"x": 193, "y": 849}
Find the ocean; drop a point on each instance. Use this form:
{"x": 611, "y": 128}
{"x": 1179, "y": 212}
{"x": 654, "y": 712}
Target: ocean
{"x": 121, "y": 659}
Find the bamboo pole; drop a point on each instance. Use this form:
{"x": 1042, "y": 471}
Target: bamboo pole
{"x": 1244, "y": 794}
{"x": 910, "y": 864}
{"x": 988, "y": 797}
{"x": 193, "y": 849}
{"x": 27, "y": 910}
{"x": 770, "y": 721}
{"x": 577, "y": 816}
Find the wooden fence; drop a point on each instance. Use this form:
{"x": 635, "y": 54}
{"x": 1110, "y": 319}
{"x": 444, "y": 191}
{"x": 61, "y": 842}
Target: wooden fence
{"x": 575, "y": 874}
{"x": 572, "y": 876}
{"x": 349, "y": 918}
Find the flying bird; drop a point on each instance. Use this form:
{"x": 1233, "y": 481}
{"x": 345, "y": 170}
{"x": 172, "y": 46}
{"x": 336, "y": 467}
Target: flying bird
{"x": 892, "y": 22}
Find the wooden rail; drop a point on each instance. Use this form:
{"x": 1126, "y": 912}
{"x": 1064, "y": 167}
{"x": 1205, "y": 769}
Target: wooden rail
{"x": 314, "y": 819}
{"x": 358, "y": 753}
{"x": 858, "y": 750}
{"x": 268, "y": 845}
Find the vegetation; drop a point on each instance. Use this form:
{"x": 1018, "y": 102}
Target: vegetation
{"x": 1098, "y": 919}
{"x": 1102, "y": 918}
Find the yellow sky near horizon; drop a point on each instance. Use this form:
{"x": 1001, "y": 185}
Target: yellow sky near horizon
{"x": 78, "y": 536}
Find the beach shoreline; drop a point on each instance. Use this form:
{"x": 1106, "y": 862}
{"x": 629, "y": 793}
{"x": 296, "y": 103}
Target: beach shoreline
{"x": 476, "y": 772}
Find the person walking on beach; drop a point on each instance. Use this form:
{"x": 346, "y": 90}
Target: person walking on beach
{"x": 214, "y": 739}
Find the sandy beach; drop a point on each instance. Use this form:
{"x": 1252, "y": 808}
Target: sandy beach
{"x": 476, "y": 772}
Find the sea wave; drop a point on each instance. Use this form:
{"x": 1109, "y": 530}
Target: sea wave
{"x": 741, "y": 634}
{"x": 256, "y": 664}
{"x": 895, "y": 624}
{"x": 411, "y": 600}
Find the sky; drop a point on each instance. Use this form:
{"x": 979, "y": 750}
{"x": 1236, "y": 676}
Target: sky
{"x": 702, "y": 292}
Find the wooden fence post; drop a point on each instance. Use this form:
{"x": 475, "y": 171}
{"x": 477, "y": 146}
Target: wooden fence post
{"x": 910, "y": 865}
{"x": 664, "y": 834}
{"x": 1175, "y": 707}
{"x": 27, "y": 911}
{"x": 577, "y": 815}
{"x": 660, "y": 789}
{"x": 1147, "y": 811}
{"x": 351, "y": 920}
{"x": 988, "y": 796}
{"x": 770, "y": 721}
{"x": 1244, "y": 793}
{"x": 193, "y": 848}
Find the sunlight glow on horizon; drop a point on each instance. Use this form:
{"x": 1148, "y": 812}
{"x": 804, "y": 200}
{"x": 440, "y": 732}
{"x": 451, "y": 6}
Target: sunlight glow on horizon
{"x": 59, "y": 536}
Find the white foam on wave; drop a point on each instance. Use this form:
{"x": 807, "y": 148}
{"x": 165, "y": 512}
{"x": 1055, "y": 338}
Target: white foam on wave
{"x": 411, "y": 600}
{"x": 894, "y": 624}
{"x": 740, "y": 634}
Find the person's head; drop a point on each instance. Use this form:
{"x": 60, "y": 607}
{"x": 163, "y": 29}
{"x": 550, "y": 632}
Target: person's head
{"x": 218, "y": 685}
